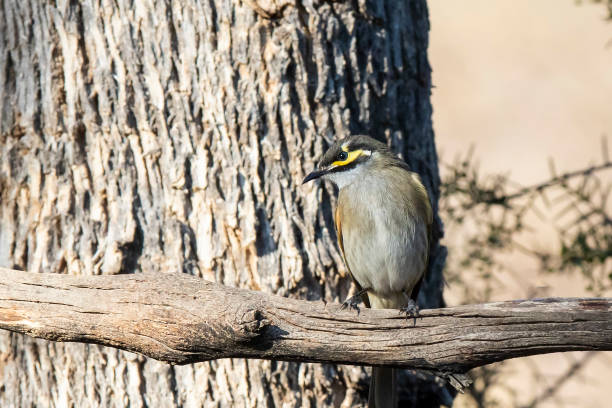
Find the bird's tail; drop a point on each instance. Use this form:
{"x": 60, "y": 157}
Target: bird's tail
{"x": 383, "y": 391}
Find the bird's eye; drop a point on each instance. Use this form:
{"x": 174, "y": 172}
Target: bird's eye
{"x": 342, "y": 156}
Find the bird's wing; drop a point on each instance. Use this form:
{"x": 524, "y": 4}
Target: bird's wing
{"x": 338, "y": 223}
{"x": 427, "y": 214}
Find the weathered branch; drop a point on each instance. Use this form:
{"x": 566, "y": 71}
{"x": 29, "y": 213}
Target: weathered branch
{"x": 182, "y": 319}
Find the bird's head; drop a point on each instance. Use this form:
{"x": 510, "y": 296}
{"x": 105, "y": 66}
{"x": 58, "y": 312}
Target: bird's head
{"x": 348, "y": 159}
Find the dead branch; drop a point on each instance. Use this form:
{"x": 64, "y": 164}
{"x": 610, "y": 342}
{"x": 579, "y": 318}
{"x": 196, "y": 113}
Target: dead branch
{"x": 181, "y": 319}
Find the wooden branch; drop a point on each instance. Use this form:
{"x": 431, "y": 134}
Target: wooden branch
{"x": 181, "y": 319}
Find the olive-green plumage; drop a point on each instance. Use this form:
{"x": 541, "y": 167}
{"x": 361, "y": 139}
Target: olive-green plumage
{"x": 383, "y": 222}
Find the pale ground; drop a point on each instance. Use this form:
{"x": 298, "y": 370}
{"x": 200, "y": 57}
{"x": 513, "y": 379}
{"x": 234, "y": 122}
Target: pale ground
{"x": 524, "y": 81}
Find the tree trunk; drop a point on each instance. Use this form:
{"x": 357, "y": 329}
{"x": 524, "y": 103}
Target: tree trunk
{"x": 174, "y": 136}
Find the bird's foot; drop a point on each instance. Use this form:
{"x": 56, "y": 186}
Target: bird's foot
{"x": 411, "y": 310}
{"x": 352, "y": 303}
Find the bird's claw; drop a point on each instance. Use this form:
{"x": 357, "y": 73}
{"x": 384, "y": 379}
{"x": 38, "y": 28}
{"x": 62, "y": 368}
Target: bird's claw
{"x": 351, "y": 303}
{"x": 411, "y": 310}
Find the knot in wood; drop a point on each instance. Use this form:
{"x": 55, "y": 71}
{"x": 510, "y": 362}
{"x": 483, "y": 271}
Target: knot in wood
{"x": 251, "y": 323}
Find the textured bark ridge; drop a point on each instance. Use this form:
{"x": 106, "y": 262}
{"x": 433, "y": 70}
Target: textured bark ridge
{"x": 172, "y": 136}
{"x": 181, "y": 319}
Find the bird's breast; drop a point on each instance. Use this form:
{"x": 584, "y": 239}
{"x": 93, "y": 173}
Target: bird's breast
{"x": 385, "y": 241}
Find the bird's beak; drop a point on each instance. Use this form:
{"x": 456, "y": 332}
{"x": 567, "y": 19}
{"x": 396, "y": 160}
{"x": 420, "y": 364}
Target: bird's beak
{"x": 314, "y": 175}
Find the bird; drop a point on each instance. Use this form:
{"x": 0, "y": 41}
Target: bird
{"x": 383, "y": 221}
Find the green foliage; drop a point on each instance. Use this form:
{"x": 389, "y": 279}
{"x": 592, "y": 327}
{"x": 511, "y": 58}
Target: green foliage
{"x": 493, "y": 213}
{"x": 607, "y": 3}
{"x": 486, "y": 217}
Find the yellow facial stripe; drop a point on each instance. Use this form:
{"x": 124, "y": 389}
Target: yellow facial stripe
{"x": 350, "y": 158}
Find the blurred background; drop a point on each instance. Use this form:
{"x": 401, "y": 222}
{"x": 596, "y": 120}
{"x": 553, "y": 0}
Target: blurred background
{"x": 523, "y": 95}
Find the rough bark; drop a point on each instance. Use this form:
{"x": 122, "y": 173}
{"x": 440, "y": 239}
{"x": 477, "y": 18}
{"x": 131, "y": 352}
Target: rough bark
{"x": 172, "y": 136}
{"x": 181, "y": 319}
